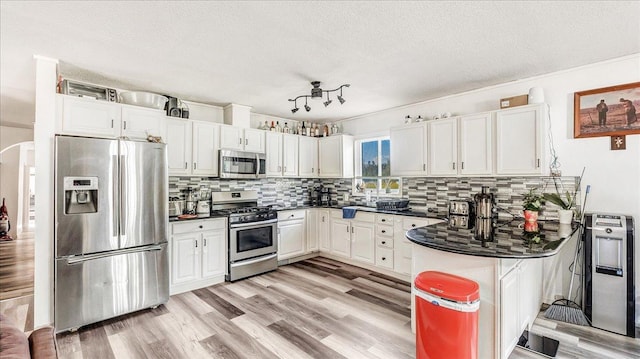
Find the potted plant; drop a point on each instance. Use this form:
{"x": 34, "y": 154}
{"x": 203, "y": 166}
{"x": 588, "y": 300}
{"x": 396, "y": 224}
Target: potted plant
{"x": 566, "y": 201}
{"x": 531, "y": 203}
{"x": 565, "y": 213}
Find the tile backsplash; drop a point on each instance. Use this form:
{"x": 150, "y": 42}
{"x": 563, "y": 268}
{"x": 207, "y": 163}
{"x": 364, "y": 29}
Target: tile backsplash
{"x": 423, "y": 192}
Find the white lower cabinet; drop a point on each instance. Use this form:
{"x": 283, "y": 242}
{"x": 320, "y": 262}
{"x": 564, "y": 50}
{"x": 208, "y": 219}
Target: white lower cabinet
{"x": 312, "y": 229}
{"x": 384, "y": 241}
{"x": 324, "y": 230}
{"x": 198, "y": 254}
{"x": 341, "y": 237}
{"x": 353, "y": 238}
{"x": 403, "y": 250}
{"x": 363, "y": 245}
{"x": 291, "y": 234}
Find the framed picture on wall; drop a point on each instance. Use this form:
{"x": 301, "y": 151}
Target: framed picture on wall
{"x": 607, "y": 111}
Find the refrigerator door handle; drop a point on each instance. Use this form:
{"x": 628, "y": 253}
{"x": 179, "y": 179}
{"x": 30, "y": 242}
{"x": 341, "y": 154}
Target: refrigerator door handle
{"x": 88, "y": 257}
{"x": 123, "y": 194}
{"x": 115, "y": 189}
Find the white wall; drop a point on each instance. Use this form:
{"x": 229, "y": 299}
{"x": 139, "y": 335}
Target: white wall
{"x": 614, "y": 176}
{"x": 10, "y": 169}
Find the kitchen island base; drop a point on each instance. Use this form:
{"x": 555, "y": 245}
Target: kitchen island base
{"x": 510, "y": 294}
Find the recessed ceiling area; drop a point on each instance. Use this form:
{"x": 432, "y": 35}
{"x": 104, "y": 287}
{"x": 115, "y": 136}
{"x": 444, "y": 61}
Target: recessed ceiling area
{"x": 261, "y": 53}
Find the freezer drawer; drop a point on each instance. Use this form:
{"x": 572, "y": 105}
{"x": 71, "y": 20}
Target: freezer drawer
{"x": 92, "y": 288}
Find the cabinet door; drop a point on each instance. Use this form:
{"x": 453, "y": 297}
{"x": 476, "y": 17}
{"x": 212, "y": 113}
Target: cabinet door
{"x": 290, "y": 155}
{"x": 291, "y": 239}
{"x": 138, "y": 123}
{"x": 214, "y": 259}
{"x": 408, "y": 150}
{"x": 330, "y": 157}
{"x": 324, "y": 230}
{"x": 443, "y": 147}
{"x": 341, "y": 238}
{"x": 185, "y": 257}
{"x": 254, "y": 140}
{"x": 518, "y": 140}
{"x": 401, "y": 245}
{"x": 274, "y": 154}
{"x": 362, "y": 242}
{"x": 308, "y": 157}
{"x": 81, "y": 116}
{"x": 312, "y": 230}
{"x": 509, "y": 313}
{"x": 205, "y": 148}
{"x": 476, "y": 155}
{"x": 231, "y": 138}
{"x": 178, "y": 146}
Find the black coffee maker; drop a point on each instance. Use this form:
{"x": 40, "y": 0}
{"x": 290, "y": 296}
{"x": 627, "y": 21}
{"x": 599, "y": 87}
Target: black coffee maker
{"x": 320, "y": 196}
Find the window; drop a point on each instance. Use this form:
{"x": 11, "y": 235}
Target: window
{"x": 373, "y": 168}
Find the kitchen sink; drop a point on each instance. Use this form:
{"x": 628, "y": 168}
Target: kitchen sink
{"x": 363, "y": 208}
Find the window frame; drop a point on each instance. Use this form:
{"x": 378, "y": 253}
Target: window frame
{"x": 358, "y": 168}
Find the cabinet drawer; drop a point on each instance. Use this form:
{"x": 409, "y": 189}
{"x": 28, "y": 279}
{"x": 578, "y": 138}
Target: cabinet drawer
{"x": 197, "y": 226}
{"x": 384, "y": 257}
{"x": 295, "y": 214}
{"x": 411, "y": 223}
{"x": 386, "y": 242}
{"x": 384, "y": 231}
{"x": 384, "y": 219}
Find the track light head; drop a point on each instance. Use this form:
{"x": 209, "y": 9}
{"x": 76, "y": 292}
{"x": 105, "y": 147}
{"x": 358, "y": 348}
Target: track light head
{"x": 342, "y": 100}
{"x": 294, "y": 110}
{"x": 306, "y": 107}
{"x": 327, "y": 103}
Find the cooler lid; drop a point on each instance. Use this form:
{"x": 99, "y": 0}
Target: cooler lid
{"x": 448, "y": 286}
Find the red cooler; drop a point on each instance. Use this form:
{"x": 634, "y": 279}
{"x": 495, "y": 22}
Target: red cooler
{"x": 446, "y": 316}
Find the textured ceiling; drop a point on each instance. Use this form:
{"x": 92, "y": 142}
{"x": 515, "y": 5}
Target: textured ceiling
{"x": 262, "y": 53}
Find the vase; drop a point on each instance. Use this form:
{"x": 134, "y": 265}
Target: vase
{"x": 565, "y": 216}
{"x": 530, "y": 216}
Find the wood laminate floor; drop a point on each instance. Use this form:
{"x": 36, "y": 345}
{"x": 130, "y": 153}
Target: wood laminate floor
{"x": 16, "y": 267}
{"x": 317, "y": 308}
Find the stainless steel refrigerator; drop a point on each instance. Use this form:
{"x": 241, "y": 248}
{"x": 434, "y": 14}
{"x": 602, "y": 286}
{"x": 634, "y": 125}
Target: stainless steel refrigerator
{"x": 110, "y": 229}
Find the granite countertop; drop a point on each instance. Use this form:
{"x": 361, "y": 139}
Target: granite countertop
{"x": 509, "y": 240}
{"x": 409, "y": 213}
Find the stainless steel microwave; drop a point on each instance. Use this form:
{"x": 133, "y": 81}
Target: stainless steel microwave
{"x": 236, "y": 164}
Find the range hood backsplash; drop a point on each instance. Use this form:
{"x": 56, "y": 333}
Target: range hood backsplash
{"x": 424, "y": 193}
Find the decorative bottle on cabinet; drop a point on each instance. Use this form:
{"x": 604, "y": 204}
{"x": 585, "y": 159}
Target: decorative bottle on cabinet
{"x": 5, "y": 225}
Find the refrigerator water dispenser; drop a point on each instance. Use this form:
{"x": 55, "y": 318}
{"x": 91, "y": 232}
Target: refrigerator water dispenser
{"x": 81, "y": 195}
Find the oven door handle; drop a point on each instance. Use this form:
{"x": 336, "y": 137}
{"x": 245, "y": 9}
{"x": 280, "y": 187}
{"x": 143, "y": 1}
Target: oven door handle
{"x": 253, "y": 224}
{"x": 254, "y": 261}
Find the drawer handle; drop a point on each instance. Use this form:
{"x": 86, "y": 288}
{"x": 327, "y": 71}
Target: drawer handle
{"x": 413, "y": 225}
{"x": 200, "y": 226}
{"x": 384, "y": 242}
{"x": 384, "y": 220}
{"x": 384, "y": 258}
{"x": 383, "y": 231}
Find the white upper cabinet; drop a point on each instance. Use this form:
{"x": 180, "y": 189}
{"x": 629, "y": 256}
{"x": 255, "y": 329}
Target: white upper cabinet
{"x": 140, "y": 122}
{"x": 409, "y": 150}
{"x": 335, "y": 156}
{"x": 475, "y": 145}
{"x": 83, "y": 116}
{"x": 274, "y": 154}
{"x": 90, "y": 117}
{"x": 192, "y": 147}
{"x": 254, "y": 140}
{"x": 520, "y": 140}
{"x": 443, "y": 147}
{"x": 242, "y": 139}
{"x": 289, "y": 155}
{"x": 205, "y": 149}
{"x": 308, "y": 157}
{"x": 178, "y": 146}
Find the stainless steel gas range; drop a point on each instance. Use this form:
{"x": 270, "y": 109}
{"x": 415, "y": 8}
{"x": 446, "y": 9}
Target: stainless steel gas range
{"x": 253, "y": 244}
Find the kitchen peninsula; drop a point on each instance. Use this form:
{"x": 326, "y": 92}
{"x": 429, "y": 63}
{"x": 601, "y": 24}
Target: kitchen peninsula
{"x": 508, "y": 270}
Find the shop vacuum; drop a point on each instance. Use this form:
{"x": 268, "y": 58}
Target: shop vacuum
{"x": 609, "y": 301}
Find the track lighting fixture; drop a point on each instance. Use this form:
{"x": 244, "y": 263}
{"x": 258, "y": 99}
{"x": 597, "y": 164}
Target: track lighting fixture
{"x": 316, "y": 93}
{"x": 328, "y": 102}
{"x": 306, "y": 107}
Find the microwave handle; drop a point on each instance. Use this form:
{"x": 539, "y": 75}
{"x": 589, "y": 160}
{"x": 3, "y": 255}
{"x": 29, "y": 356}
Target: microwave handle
{"x": 257, "y": 165}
